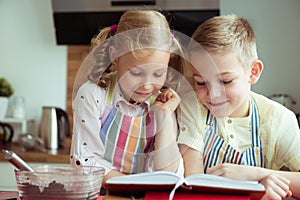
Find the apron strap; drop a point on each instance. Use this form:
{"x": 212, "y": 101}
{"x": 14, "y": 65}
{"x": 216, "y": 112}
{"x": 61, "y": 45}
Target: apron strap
{"x": 254, "y": 124}
{"x": 211, "y": 122}
{"x": 112, "y": 85}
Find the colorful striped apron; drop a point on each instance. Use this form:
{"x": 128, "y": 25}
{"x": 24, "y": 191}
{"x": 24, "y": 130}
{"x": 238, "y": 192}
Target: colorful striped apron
{"x": 128, "y": 140}
{"x": 218, "y": 151}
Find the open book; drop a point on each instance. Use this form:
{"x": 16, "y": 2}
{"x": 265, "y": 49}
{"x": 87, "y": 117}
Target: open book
{"x": 139, "y": 184}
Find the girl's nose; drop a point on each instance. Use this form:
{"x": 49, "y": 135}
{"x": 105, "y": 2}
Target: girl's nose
{"x": 147, "y": 86}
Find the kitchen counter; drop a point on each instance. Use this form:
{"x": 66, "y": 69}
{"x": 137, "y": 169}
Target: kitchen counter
{"x": 60, "y": 156}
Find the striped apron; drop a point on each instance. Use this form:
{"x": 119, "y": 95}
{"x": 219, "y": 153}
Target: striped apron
{"x": 128, "y": 140}
{"x": 218, "y": 151}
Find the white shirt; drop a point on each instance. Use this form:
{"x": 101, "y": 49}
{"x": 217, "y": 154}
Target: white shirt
{"x": 88, "y": 106}
{"x": 278, "y": 130}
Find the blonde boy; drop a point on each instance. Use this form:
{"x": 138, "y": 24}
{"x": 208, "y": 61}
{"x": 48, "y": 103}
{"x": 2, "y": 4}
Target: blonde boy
{"x": 232, "y": 131}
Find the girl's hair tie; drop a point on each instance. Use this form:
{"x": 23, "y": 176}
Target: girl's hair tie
{"x": 113, "y": 28}
{"x": 172, "y": 35}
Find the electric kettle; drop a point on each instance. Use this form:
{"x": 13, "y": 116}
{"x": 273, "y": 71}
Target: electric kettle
{"x": 54, "y": 127}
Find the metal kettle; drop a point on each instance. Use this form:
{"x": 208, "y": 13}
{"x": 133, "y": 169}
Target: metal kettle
{"x": 54, "y": 127}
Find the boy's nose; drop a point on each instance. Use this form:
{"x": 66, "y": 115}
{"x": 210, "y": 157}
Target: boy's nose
{"x": 215, "y": 91}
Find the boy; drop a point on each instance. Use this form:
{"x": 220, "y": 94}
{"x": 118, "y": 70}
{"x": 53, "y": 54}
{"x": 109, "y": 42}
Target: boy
{"x": 233, "y": 128}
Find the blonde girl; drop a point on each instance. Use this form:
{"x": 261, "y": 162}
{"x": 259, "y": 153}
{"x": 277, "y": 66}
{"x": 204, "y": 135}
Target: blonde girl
{"x": 122, "y": 119}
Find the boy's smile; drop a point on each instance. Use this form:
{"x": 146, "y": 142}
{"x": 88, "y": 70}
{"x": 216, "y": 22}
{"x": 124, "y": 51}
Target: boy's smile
{"x": 222, "y": 83}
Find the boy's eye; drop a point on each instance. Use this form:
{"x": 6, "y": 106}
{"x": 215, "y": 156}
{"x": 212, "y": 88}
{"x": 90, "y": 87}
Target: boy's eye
{"x": 226, "y": 82}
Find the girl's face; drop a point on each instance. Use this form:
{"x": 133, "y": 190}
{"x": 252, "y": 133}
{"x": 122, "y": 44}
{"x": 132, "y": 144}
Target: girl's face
{"x": 222, "y": 84}
{"x": 141, "y": 78}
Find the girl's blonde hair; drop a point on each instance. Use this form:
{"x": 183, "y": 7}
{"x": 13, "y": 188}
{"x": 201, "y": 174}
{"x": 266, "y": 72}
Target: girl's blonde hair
{"x": 224, "y": 34}
{"x": 142, "y": 30}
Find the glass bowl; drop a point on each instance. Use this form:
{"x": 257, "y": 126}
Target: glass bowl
{"x": 60, "y": 182}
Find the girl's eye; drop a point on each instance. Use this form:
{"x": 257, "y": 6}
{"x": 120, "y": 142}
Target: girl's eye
{"x": 135, "y": 73}
{"x": 158, "y": 75}
{"x": 201, "y": 83}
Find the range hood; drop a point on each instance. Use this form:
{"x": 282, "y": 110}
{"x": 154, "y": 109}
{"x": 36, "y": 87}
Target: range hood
{"x": 77, "y": 21}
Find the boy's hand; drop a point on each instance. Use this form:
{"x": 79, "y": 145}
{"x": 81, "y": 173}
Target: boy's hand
{"x": 277, "y": 187}
{"x": 234, "y": 171}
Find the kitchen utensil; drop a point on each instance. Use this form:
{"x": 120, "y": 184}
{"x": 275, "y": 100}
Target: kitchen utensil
{"x": 60, "y": 182}
{"x": 6, "y": 133}
{"x": 54, "y": 127}
{"x": 16, "y": 161}
{"x": 29, "y": 141}
{"x": 284, "y": 99}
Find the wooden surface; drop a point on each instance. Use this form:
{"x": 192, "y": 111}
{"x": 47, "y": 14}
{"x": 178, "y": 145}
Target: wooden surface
{"x": 61, "y": 156}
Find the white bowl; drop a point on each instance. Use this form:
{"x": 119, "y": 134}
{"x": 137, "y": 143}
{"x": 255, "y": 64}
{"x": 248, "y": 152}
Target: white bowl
{"x": 60, "y": 182}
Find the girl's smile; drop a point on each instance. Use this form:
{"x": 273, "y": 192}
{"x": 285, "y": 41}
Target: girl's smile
{"x": 139, "y": 78}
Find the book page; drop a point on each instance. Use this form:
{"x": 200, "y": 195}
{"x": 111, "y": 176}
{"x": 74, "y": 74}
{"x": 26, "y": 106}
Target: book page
{"x": 209, "y": 180}
{"x": 152, "y": 178}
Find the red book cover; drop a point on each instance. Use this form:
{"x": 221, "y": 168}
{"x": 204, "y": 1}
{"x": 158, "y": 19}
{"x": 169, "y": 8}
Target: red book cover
{"x": 191, "y": 196}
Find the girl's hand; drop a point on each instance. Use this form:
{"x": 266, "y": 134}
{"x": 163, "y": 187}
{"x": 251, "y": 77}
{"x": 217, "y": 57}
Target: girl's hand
{"x": 168, "y": 100}
{"x": 164, "y": 107}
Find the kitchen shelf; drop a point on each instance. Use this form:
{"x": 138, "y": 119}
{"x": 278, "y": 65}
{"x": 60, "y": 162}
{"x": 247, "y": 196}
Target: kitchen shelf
{"x": 20, "y": 126}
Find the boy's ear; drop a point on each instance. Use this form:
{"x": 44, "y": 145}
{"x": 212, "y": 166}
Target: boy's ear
{"x": 256, "y": 70}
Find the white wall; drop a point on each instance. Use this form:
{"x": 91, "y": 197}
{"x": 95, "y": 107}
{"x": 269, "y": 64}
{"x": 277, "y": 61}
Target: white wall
{"x": 29, "y": 56}
{"x": 277, "y": 28}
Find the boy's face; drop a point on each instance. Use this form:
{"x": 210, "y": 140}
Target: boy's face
{"x": 141, "y": 78}
{"x": 222, "y": 83}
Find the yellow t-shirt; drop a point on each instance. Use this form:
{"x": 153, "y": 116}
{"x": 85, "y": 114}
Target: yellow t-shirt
{"x": 278, "y": 130}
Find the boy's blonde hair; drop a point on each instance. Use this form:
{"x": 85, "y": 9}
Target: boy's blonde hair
{"x": 224, "y": 34}
{"x": 138, "y": 32}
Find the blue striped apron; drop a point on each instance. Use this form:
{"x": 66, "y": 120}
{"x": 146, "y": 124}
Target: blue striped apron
{"x": 218, "y": 151}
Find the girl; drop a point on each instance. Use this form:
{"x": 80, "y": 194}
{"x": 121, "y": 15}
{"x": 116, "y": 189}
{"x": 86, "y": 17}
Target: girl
{"x": 121, "y": 120}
